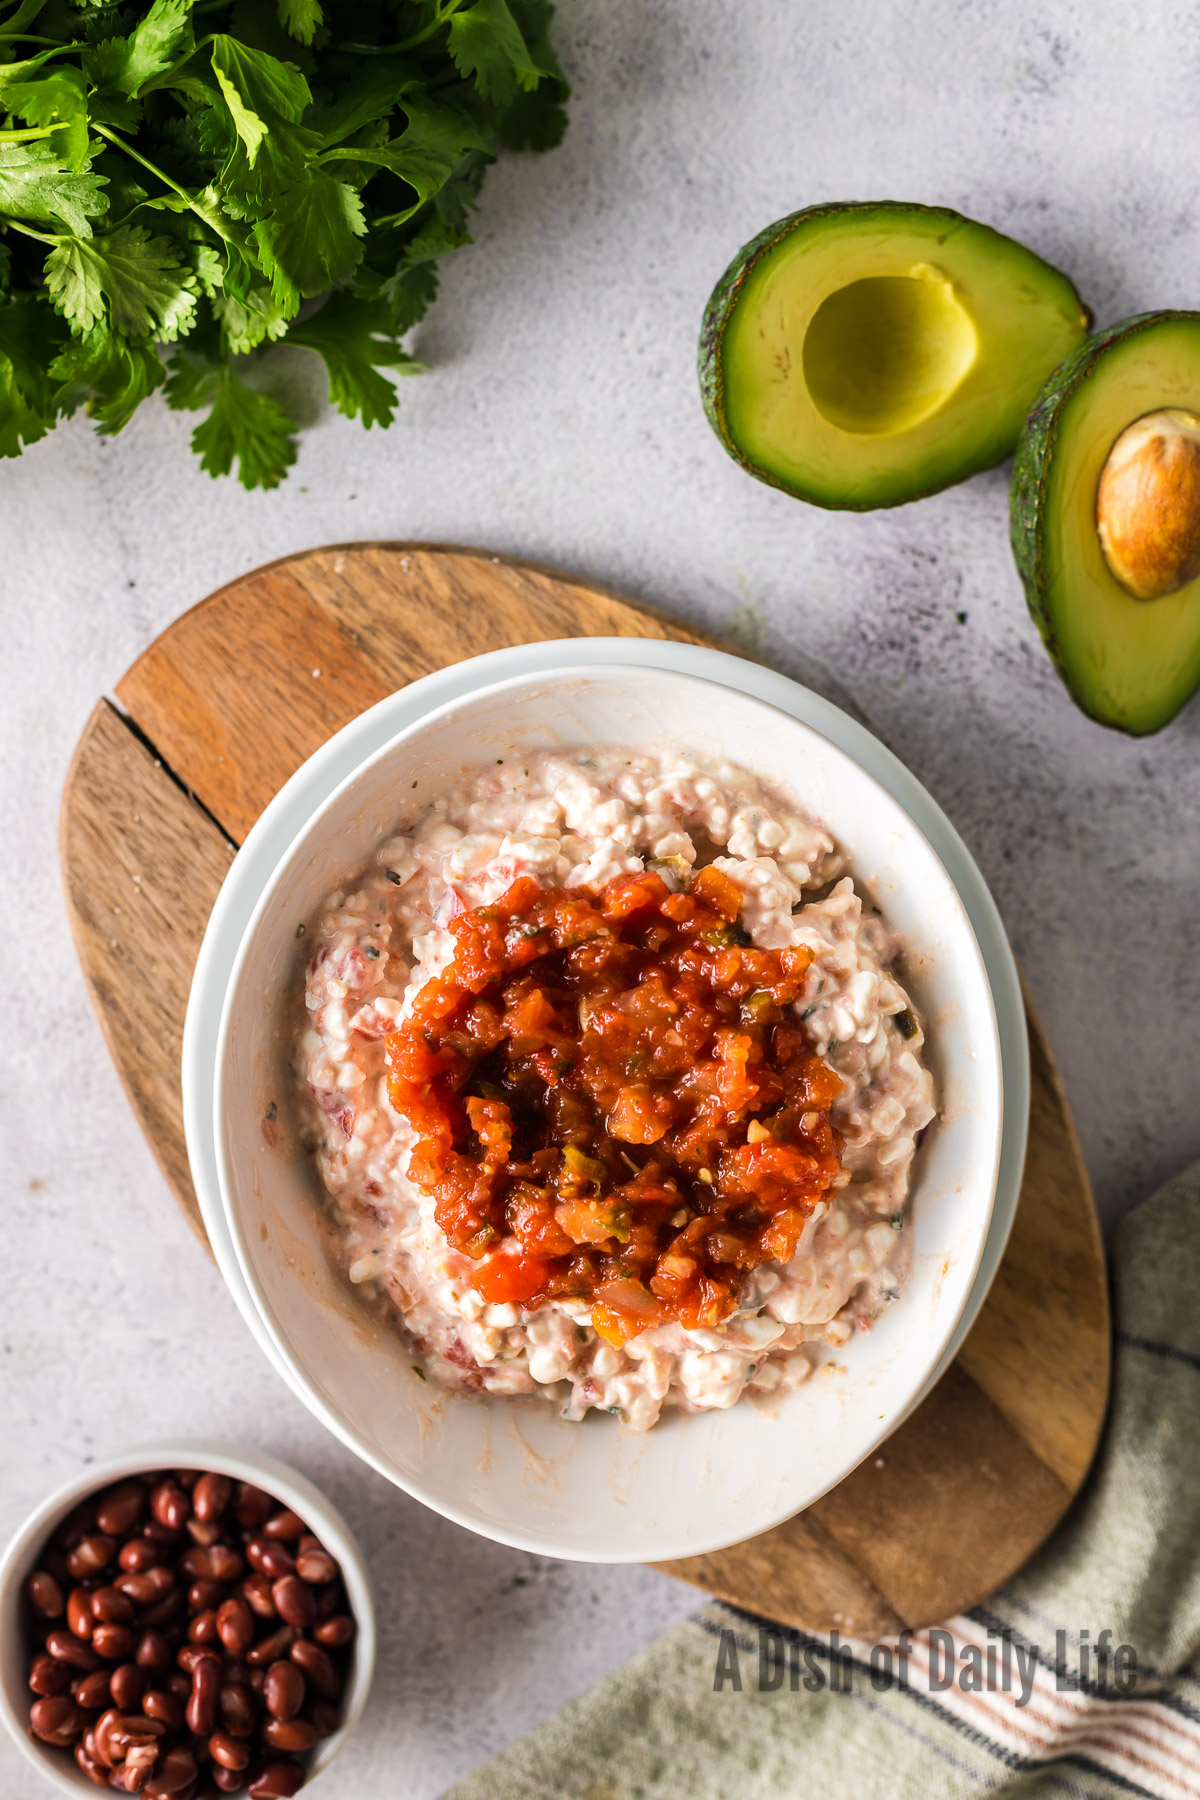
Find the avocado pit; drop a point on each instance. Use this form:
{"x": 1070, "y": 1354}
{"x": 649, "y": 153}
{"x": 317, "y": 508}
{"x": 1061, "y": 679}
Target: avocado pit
{"x": 1148, "y": 504}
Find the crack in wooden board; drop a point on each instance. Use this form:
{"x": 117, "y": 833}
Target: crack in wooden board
{"x": 230, "y": 705}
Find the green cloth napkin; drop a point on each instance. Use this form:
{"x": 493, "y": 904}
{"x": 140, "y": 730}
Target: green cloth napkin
{"x": 674, "y": 1725}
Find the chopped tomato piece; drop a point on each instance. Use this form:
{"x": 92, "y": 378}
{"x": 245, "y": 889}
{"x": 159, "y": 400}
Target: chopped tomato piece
{"x": 712, "y": 887}
{"x": 515, "y": 1279}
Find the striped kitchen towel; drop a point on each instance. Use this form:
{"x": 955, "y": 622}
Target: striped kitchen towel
{"x": 1081, "y": 1677}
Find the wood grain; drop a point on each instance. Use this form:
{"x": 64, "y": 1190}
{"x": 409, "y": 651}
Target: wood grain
{"x": 223, "y": 707}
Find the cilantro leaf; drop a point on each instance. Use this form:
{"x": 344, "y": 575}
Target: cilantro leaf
{"x": 259, "y": 90}
{"x": 55, "y": 97}
{"x": 126, "y": 65}
{"x": 37, "y": 183}
{"x": 300, "y": 18}
{"x": 487, "y": 46}
{"x": 355, "y": 338}
{"x": 139, "y": 277}
{"x": 249, "y": 428}
{"x": 111, "y": 374}
{"x": 312, "y": 241}
{"x": 30, "y": 337}
{"x": 426, "y": 154}
{"x": 257, "y": 318}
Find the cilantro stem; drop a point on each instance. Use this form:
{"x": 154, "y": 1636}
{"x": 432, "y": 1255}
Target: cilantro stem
{"x": 105, "y": 132}
{"x": 27, "y": 230}
{"x": 30, "y": 131}
{"x": 442, "y": 14}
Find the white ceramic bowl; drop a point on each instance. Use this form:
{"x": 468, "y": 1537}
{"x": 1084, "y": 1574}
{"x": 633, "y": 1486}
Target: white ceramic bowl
{"x": 267, "y": 1472}
{"x": 512, "y": 1469}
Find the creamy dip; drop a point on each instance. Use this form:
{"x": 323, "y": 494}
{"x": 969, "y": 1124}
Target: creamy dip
{"x": 578, "y": 818}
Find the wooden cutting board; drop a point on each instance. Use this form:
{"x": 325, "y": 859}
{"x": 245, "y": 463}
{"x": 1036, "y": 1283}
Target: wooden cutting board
{"x": 215, "y": 716}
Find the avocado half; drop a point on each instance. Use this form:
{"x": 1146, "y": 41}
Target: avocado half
{"x": 864, "y": 354}
{"x": 1127, "y": 662}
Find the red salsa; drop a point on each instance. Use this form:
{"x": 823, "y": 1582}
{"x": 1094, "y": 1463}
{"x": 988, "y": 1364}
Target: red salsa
{"x": 615, "y": 1101}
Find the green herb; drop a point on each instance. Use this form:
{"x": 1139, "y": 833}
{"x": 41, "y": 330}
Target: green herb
{"x": 588, "y": 1168}
{"x": 897, "y": 1221}
{"x": 213, "y": 179}
{"x": 392, "y": 876}
{"x": 371, "y": 951}
{"x": 419, "y": 1371}
{"x": 906, "y": 1025}
{"x": 300, "y": 930}
{"x": 272, "y": 1110}
{"x": 724, "y": 937}
{"x": 833, "y": 1047}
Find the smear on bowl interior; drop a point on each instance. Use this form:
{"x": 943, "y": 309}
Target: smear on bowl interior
{"x": 612, "y": 1085}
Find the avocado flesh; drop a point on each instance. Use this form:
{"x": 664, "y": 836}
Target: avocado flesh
{"x": 865, "y": 355}
{"x": 1129, "y": 663}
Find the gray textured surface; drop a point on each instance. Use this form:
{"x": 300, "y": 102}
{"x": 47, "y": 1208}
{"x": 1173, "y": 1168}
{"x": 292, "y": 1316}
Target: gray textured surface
{"x": 561, "y": 421}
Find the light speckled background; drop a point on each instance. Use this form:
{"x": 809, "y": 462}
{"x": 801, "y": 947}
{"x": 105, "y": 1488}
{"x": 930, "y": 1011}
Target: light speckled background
{"x": 561, "y": 421}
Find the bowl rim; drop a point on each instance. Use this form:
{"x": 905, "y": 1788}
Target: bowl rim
{"x": 417, "y": 1486}
{"x": 281, "y": 1480}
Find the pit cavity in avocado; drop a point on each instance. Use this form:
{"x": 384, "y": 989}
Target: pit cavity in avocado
{"x": 864, "y": 354}
{"x": 1118, "y": 607}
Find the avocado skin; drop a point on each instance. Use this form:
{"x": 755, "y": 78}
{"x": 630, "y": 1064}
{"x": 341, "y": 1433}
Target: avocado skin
{"x": 720, "y": 309}
{"x": 1032, "y": 462}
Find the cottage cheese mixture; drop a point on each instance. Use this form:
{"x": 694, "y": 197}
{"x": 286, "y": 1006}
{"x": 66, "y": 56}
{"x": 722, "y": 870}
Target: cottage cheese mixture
{"x": 579, "y": 820}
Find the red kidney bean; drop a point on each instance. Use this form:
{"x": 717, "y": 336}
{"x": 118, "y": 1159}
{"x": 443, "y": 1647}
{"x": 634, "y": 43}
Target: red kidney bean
{"x": 270, "y": 1649}
{"x": 251, "y": 1507}
{"x": 45, "y": 1594}
{"x": 56, "y": 1720}
{"x": 206, "y": 1596}
{"x": 319, "y": 1669}
{"x": 330, "y": 1599}
{"x": 90, "y": 1555}
{"x": 115, "y": 1643}
{"x": 228, "y": 1781}
{"x": 92, "y": 1767}
{"x": 141, "y": 1553}
{"x": 79, "y": 1521}
{"x": 128, "y": 1683}
{"x": 94, "y": 1691}
{"x": 139, "y": 1587}
{"x": 256, "y": 1678}
{"x": 257, "y": 1591}
{"x": 48, "y": 1676}
{"x": 179, "y": 1684}
{"x": 229, "y": 1751}
{"x": 196, "y": 1562}
{"x": 278, "y": 1781}
{"x": 121, "y": 1508}
{"x": 187, "y": 1478}
{"x": 235, "y": 1626}
{"x": 111, "y": 1606}
{"x": 162, "y": 1580}
{"x": 225, "y": 1564}
{"x": 283, "y": 1690}
{"x": 336, "y": 1632}
{"x": 205, "y": 1533}
{"x": 315, "y": 1566}
{"x": 285, "y": 1524}
{"x": 270, "y": 1559}
{"x": 153, "y": 1652}
{"x": 203, "y": 1629}
{"x": 164, "y": 1611}
{"x": 171, "y": 1505}
{"x": 66, "y": 1647}
{"x": 201, "y": 1710}
{"x": 162, "y": 1705}
{"x": 176, "y": 1771}
{"x": 190, "y": 1656}
{"x": 158, "y": 1533}
{"x": 294, "y": 1601}
{"x": 289, "y": 1734}
{"x": 326, "y": 1715}
{"x": 239, "y": 1708}
{"x": 210, "y": 1496}
{"x": 81, "y": 1620}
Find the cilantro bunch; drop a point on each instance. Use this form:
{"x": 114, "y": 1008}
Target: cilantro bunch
{"x": 219, "y": 176}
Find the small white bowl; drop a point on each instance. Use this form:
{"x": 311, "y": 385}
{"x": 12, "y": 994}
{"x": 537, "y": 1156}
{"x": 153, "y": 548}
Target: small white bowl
{"x": 267, "y": 1472}
{"x": 512, "y": 1469}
